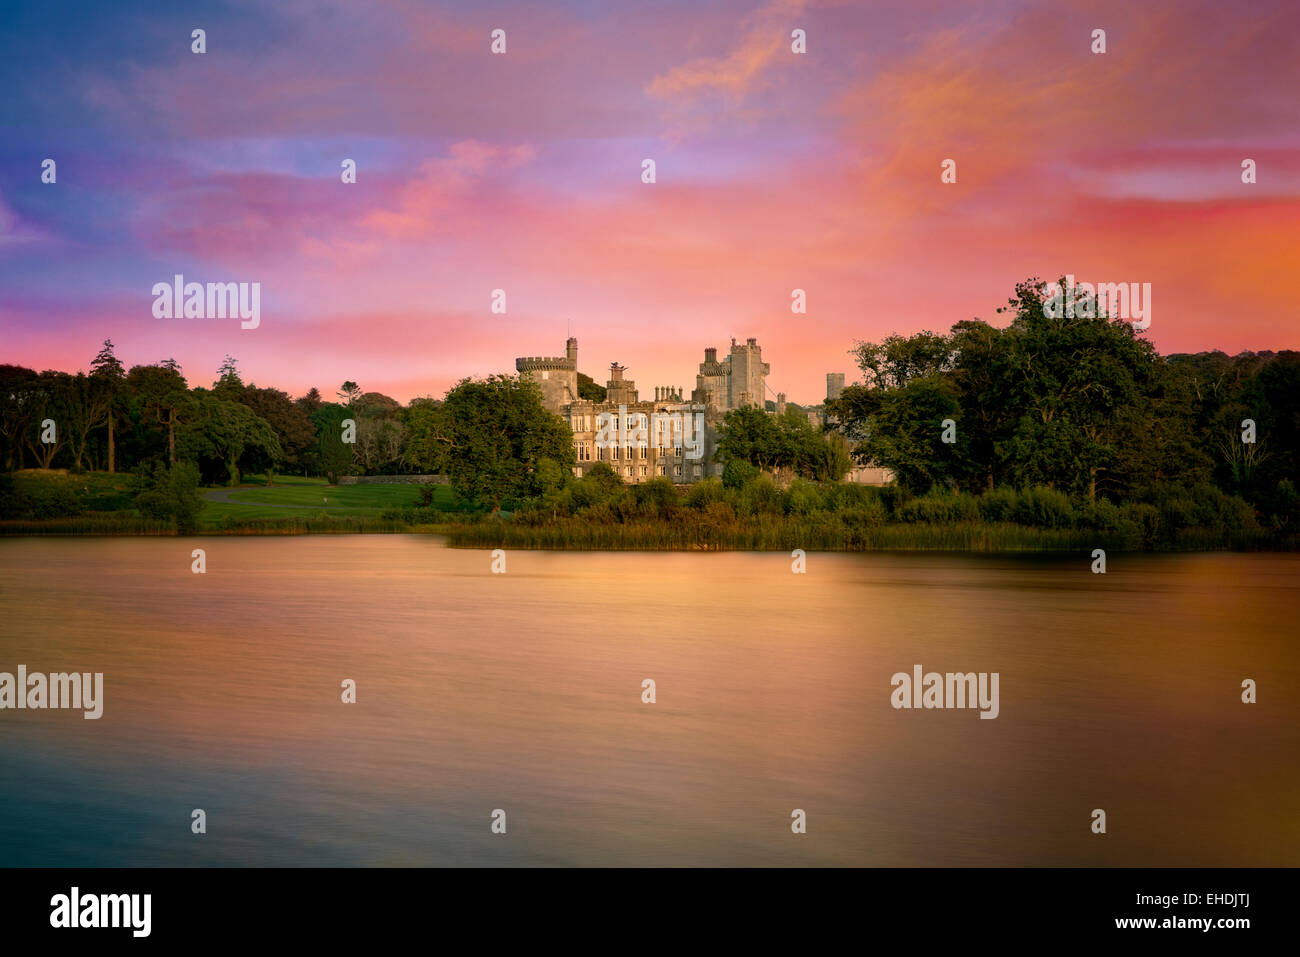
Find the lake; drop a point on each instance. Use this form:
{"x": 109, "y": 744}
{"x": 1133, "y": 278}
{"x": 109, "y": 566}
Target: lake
{"x": 522, "y": 692}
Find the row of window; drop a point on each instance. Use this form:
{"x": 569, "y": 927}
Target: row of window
{"x": 587, "y": 450}
{"x": 633, "y": 472}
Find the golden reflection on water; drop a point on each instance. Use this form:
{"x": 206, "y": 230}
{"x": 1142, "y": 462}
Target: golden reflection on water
{"x": 522, "y": 691}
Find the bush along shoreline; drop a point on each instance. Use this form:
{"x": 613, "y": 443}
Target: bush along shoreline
{"x": 751, "y": 513}
{"x": 744, "y": 511}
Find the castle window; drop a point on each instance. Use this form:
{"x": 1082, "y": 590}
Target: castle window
{"x": 677, "y": 470}
{"x": 545, "y": 374}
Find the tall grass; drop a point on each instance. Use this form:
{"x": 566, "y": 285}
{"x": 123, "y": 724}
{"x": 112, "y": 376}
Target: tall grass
{"x": 780, "y": 534}
{"x": 110, "y": 524}
{"x": 756, "y": 516}
{"x": 125, "y": 524}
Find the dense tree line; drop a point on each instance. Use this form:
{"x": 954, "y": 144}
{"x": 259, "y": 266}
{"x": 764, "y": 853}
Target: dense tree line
{"x": 787, "y": 444}
{"x": 1080, "y": 405}
{"x": 114, "y": 419}
{"x": 493, "y": 437}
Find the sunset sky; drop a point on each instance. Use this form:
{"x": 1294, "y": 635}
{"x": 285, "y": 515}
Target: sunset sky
{"x": 522, "y": 172}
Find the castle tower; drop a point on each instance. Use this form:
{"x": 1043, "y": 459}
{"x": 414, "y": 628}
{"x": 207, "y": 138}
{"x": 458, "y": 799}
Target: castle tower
{"x": 619, "y": 391}
{"x": 748, "y": 379}
{"x": 557, "y": 377}
{"x": 834, "y": 385}
{"x": 711, "y": 383}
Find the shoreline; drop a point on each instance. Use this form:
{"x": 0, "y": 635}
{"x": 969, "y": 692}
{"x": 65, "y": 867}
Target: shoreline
{"x": 1008, "y": 539}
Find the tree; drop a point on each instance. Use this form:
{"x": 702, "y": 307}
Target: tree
{"x": 162, "y": 394}
{"x": 225, "y": 431}
{"x": 981, "y": 374}
{"x": 380, "y": 432}
{"x": 751, "y": 435}
{"x": 494, "y": 432}
{"x": 906, "y": 434}
{"x": 422, "y": 451}
{"x": 18, "y": 391}
{"x": 228, "y": 385}
{"x": 109, "y": 375}
{"x": 169, "y": 494}
{"x": 333, "y": 455}
{"x": 88, "y": 405}
{"x": 310, "y": 402}
{"x": 379, "y": 441}
{"x": 293, "y": 427}
{"x": 897, "y": 360}
{"x": 349, "y": 393}
{"x": 781, "y": 442}
{"x": 1078, "y": 386}
{"x": 51, "y": 395}
{"x": 1081, "y": 403}
{"x": 589, "y": 389}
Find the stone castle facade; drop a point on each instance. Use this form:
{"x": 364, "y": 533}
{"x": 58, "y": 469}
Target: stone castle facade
{"x": 684, "y": 455}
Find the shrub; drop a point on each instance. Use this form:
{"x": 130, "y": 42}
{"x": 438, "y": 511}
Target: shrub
{"x": 1102, "y": 515}
{"x": 1043, "y": 508}
{"x": 718, "y": 513}
{"x": 705, "y": 493}
{"x": 998, "y": 505}
{"x": 51, "y": 499}
{"x": 1286, "y": 509}
{"x": 737, "y": 472}
{"x": 169, "y": 494}
{"x": 870, "y": 514}
{"x": 599, "y": 485}
{"x": 11, "y": 500}
{"x": 939, "y": 508}
{"x": 760, "y": 497}
{"x": 803, "y": 498}
{"x": 892, "y": 497}
{"x": 1145, "y": 519}
{"x": 657, "y": 497}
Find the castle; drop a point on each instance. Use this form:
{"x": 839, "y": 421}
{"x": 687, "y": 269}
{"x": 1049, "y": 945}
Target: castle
{"x": 682, "y": 452}
{"x": 685, "y": 454}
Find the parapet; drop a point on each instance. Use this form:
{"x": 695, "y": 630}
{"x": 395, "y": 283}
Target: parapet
{"x": 548, "y": 363}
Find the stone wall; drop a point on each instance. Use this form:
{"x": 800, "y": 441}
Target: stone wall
{"x": 393, "y": 480}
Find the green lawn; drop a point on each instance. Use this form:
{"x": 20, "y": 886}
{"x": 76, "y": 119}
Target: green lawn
{"x": 258, "y": 501}
{"x": 326, "y": 496}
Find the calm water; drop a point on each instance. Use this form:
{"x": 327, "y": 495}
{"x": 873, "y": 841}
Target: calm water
{"x": 522, "y": 691}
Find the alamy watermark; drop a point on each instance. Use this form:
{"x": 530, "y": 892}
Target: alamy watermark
{"x": 76, "y": 909}
{"x": 56, "y": 690}
{"x": 1118, "y": 300}
{"x": 660, "y": 430}
{"x": 951, "y": 690}
{"x": 215, "y": 300}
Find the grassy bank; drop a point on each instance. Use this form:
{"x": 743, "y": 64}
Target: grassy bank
{"x": 600, "y": 513}
{"x": 56, "y": 502}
